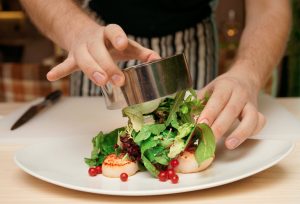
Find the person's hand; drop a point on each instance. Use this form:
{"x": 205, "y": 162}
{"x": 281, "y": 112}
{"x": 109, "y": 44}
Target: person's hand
{"x": 96, "y": 49}
{"x": 233, "y": 96}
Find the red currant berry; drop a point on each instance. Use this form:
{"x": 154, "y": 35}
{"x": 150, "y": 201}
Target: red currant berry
{"x": 174, "y": 163}
{"x": 174, "y": 179}
{"x": 99, "y": 169}
{"x": 163, "y": 176}
{"x": 93, "y": 171}
{"x": 124, "y": 177}
{"x": 170, "y": 173}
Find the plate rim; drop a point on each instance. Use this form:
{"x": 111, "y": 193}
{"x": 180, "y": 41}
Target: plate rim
{"x": 151, "y": 192}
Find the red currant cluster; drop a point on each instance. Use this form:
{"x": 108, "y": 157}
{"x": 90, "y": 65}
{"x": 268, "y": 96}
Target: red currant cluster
{"x": 93, "y": 171}
{"x": 170, "y": 173}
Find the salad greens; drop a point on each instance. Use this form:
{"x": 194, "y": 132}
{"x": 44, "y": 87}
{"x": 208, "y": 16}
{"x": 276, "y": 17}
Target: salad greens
{"x": 157, "y": 132}
{"x": 103, "y": 145}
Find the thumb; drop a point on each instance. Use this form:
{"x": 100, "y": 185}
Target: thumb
{"x": 117, "y": 37}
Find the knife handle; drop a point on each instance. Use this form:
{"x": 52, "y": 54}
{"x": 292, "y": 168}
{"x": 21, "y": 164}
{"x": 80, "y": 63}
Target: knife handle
{"x": 53, "y": 96}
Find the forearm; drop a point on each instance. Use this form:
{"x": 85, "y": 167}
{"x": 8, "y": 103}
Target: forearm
{"x": 264, "y": 38}
{"x": 60, "y": 20}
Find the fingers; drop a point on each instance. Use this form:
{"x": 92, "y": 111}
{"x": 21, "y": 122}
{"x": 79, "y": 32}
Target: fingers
{"x": 89, "y": 66}
{"x": 136, "y": 51}
{"x": 117, "y": 37}
{"x": 260, "y": 123}
{"x": 203, "y": 91}
{"x": 129, "y": 49}
{"x": 249, "y": 121}
{"x": 95, "y": 56}
{"x": 63, "y": 69}
{"x": 215, "y": 105}
{"x": 103, "y": 59}
{"x": 228, "y": 115}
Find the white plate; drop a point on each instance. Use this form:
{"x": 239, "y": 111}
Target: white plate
{"x": 61, "y": 162}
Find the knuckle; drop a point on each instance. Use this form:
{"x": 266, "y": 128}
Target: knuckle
{"x": 242, "y": 94}
{"x": 233, "y": 110}
{"x": 112, "y": 25}
{"x": 243, "y": 134}
{"x": 262, "y": 119}
{"x": 85, "y": 66}
{"x": 209, "y": 113}
{"x": 218, "y": 130}
{"x": 222, "y": 97}
{"x": 92, "y": 46}
{"x": 110, "y": 69}
{"x": 113, "y": 29}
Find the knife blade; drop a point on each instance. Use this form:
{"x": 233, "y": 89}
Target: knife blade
{"x": 49, "y": 100}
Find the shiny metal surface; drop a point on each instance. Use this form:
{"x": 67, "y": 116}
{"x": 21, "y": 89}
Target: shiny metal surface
{"x": 149, "y": 81}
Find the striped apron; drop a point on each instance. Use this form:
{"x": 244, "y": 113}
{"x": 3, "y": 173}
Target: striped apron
{"x": 198, "y": 43}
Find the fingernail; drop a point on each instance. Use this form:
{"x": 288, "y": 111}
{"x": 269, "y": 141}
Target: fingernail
{"x": 232, "y": 143}
{"x": 119, "y": 41}
{"x": 116, "y": 79}
{"x": 204, "y": 121}
{"x": 98, "y": 77}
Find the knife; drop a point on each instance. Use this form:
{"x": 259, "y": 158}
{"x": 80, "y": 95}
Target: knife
{"x": 49, "y": 100}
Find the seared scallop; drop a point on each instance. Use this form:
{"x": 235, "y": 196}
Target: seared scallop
{"x": 114, "y": 165}
{"x": 188, "y": 163}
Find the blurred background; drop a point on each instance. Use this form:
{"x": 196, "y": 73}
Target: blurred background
{"x": 26, "y": 56}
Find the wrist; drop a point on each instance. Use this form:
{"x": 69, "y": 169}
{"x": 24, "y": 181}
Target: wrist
{"x": 248, "y": 72}
{"x": 76, "y": 29}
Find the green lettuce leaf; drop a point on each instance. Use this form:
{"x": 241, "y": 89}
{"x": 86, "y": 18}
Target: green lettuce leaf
{"x": 207, "y": 144}
{"x": 175, "y": 107}
{"x": 149, "y": 166}
{"x": 135, "y": 117}
{"x": 103, "y": 145}
{"x": 135, "y": 112}
{"x": 185, "y": 130}
{"x": 148, "y": 144}
{"x": 162, "y": 159}
{"x": 176, "y": 148}
{"x": 153, "y": 152}
{"x": 147, "y": 130}
{"x": 147, "y": 107}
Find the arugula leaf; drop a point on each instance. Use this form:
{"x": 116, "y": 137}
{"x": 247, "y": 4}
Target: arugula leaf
{"x": 185, "y": 129}
{"x": 193, "y": 93}
{"x": 135, "y": 117}
{"x": 109, "y": 140}
{"x": 103, "y": 144}
{"x": 147, "y": 130}
{"x": 162, "y": 159}
{"x": 135, "y": 112}
{"x": 153, "y": 152}
{"x": 147, "y": 144}
{"x": 149, "y": 166}
{"x": 167, "y": 138}
{"x": 176, "y": 148}
{"x": 207, "y": 144}
{"x": 147, "y": 107}
{"x": 175, "y": 121}
{"x": 179, "y": 144}
{"x": 175, "y": 107}
{"x": 184, "y": 109}
{"x": 194, "y": 133}
{"x": 90, "y": 162}
{"x": 142, "y": 135}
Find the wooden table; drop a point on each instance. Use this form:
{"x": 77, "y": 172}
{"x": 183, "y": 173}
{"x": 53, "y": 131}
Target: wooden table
{"x": 279, "y": 184}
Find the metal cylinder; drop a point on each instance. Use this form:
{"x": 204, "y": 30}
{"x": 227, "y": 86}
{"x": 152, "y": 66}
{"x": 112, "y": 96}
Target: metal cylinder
{"x": 149, "y": 81}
